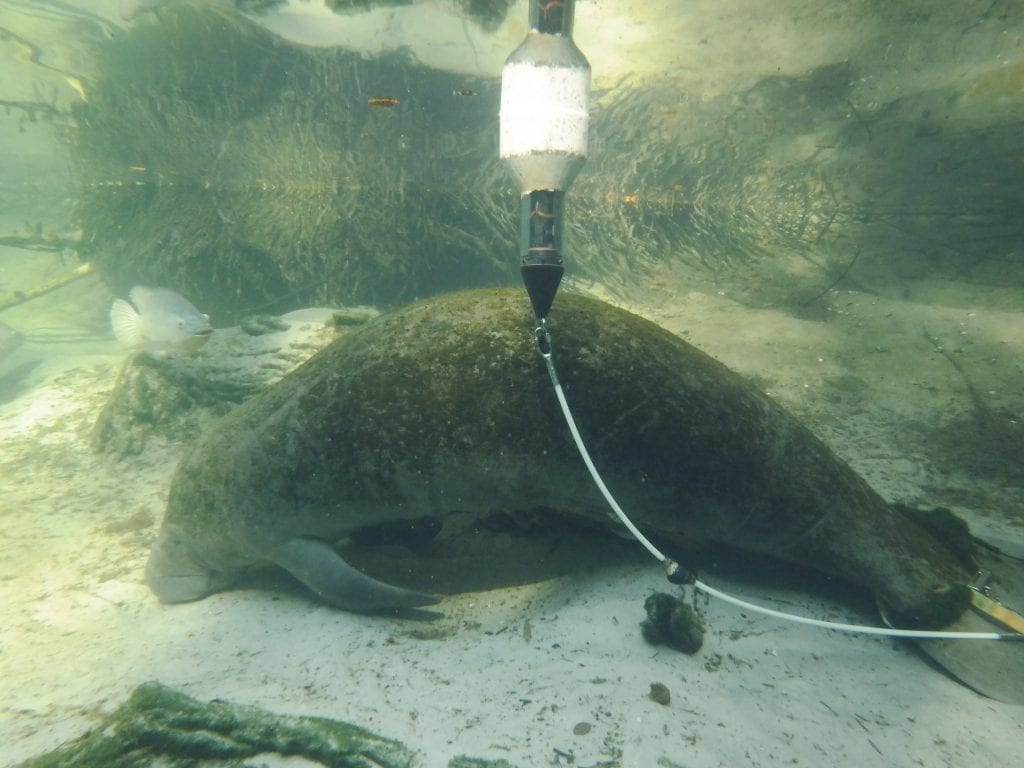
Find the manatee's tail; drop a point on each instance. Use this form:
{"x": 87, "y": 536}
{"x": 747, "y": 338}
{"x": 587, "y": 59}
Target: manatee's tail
{"x": 993, "y": 668}
{"x": 319, "y": 567}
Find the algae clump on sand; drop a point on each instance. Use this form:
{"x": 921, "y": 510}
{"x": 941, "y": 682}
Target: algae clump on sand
{"x": 672, "y": 622}
{"x": 159, "y": 725}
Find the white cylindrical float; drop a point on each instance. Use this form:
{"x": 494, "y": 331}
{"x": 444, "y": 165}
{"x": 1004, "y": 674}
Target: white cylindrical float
{"x": 544, "y": 118}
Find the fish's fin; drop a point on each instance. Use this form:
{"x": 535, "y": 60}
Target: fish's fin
{"x": 140, "y": 294}
{"x": 319, "y": 567}
{"x": 126, "y": 323}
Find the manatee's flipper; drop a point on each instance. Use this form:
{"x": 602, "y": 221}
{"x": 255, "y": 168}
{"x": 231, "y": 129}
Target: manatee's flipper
{"x": 319, "y": 567}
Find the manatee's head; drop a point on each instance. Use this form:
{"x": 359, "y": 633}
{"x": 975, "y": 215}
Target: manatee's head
{"x": 176, "y": 574}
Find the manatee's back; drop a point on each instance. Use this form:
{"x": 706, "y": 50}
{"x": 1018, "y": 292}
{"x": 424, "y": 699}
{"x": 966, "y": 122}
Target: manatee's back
{"x": 446, "y": 405}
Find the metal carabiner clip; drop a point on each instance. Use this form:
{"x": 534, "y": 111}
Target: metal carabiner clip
{"x": 543, "y": 338}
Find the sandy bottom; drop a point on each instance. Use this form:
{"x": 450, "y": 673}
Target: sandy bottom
{"x": 549, "y": 674}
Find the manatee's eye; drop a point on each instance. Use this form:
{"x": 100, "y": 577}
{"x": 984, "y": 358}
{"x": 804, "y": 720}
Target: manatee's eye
{"x": 181, "y": 325}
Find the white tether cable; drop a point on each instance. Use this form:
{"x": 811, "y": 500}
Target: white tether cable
{"x": 544, "y": 342}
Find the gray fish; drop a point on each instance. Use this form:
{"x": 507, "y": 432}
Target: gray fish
{"x": 158, "y": 319}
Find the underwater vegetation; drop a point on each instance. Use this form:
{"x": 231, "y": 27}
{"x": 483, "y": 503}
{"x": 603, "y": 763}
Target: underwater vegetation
{"x": 158, "y": 725}
{"x": 248, "y": 173}
{"x": 672, "y": 622}
{"x": 442, "y": 407}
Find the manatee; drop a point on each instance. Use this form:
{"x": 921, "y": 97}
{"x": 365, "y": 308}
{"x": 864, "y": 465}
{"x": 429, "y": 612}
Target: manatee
{"x": 446, "y": 406}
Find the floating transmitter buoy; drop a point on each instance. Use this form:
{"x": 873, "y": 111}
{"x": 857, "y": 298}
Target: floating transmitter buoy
{"x": 544, "y": 118}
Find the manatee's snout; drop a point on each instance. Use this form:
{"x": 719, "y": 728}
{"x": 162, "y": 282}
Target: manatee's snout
{"x": 174, "y": 574}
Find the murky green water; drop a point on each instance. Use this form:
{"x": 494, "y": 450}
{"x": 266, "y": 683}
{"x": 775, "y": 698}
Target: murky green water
{"x": 825, "y": 197}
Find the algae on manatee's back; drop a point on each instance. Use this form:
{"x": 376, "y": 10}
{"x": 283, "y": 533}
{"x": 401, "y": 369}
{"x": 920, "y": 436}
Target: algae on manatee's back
{"x": 445, "y": 407}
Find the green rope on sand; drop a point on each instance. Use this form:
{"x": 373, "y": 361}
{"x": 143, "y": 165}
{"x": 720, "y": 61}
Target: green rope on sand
{"x": 161, "y": 726}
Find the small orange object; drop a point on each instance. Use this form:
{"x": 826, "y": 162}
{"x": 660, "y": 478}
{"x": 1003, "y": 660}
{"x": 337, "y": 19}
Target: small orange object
{"x": 384, "y": 101}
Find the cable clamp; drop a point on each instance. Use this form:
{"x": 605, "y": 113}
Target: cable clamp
{"x": 543, "y": 338}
